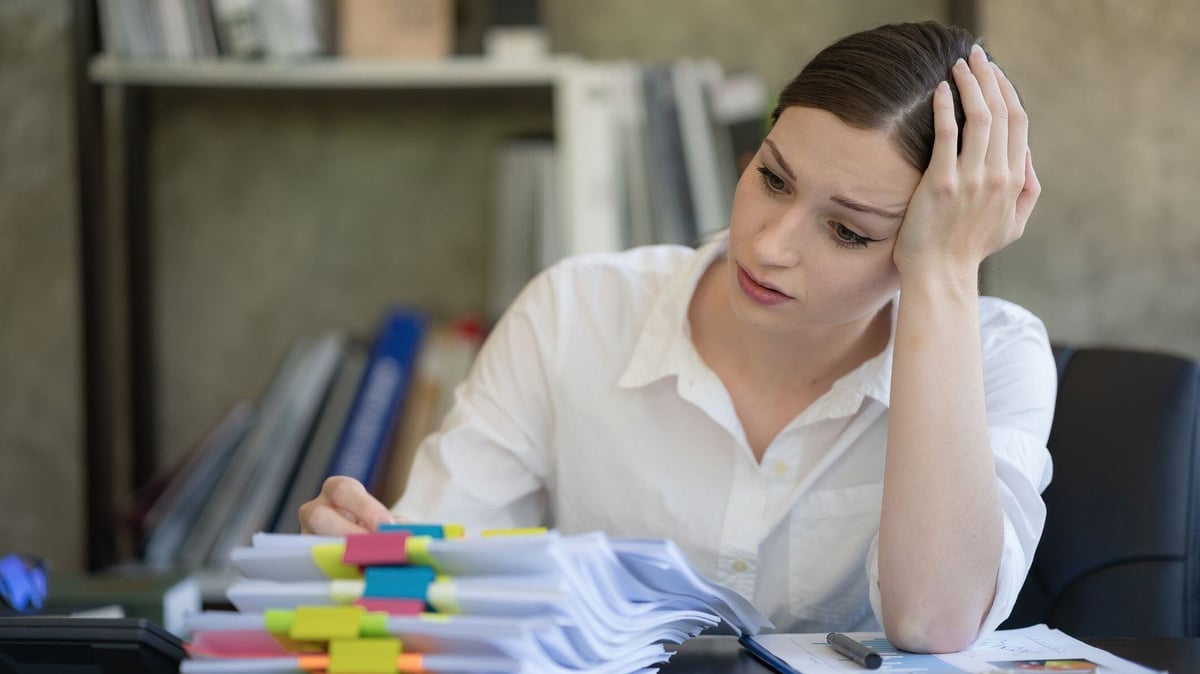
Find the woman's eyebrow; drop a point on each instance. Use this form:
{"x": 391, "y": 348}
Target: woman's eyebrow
{"x": 853, "y": 205}
{"x": 779, "y": 158}
{"x": 840, "y": 199}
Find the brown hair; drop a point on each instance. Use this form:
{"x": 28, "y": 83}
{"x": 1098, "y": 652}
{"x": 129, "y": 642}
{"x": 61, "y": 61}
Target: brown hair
{"x": 884, "y": 78}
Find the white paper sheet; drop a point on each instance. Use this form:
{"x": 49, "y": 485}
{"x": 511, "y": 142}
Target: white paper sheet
{"x": 1023, "y": 650}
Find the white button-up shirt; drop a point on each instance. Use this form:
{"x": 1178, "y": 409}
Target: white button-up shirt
{"x": 589, "y": 409}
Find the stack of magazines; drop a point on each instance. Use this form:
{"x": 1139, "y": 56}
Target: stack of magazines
{"x": 427, "y": 598}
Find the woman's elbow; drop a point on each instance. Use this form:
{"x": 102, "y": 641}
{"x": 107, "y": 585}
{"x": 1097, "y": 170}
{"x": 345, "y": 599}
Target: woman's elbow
{"x": 930, "y": 634}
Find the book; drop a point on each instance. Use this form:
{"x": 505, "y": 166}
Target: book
{"x": 673, "y": 210}
{"x": 505, "y": 601}
{"x": 306, "y": 484}
{"x": 275, "y": 445}
{"x": 173, "y": 514}
{"x": 590, "y": 159}
{"x": 379, "y": 399}
{"x": 224, "y": 499}
{"x": 444, "y": 363}
{"x": 524, "y": 227}
{"x": 712, "y": 195}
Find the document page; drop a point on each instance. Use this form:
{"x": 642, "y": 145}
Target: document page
{"x": 1031, "y": 649}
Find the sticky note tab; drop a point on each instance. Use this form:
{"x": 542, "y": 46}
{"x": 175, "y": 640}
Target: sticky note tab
{"x": 328, "y": 558}
{"x": 417, "y": 548}
{"x": 454, "y": 531}
{"x": 431, "y": 530}
{"x": 346, "y": 591}
{"x": 527, "y": 531}
{"x": 374, "y": 625}
{"x": 398, "y": 582}
{"x": 386, "y": 547}
{"x": 443, "y": 596}
{"x": 364, "y": 656}
{"x": 327, "y": 622}
{"x": 410, "y": 663}
{"x": 278, "y": 621}
{"x": 403, "y": 607}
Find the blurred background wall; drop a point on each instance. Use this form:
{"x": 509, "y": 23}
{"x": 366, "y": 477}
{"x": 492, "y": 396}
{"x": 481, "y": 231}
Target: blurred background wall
{"x": 286, "y": 213}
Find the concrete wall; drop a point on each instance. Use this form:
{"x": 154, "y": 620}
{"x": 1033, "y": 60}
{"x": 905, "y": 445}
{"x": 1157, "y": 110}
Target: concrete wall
{"x": 41, "y": 417}
{"x": 277, "y": 214}
{"x": 1112, "y": 252}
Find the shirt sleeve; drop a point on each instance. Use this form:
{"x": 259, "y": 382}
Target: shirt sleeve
{"x": 1020, "y": 385}
{"x": 487, "y": 465}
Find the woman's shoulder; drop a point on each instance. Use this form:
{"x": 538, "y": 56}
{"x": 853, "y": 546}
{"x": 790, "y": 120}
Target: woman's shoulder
{"x": 1003, "y": 323}
{"x": 995, "y": 312}
{"x": 636, "y": 269}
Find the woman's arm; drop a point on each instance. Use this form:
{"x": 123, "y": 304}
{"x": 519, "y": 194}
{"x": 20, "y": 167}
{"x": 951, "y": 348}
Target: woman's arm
{"x": 488, "y": 463}
{"x": 942, "y": 528}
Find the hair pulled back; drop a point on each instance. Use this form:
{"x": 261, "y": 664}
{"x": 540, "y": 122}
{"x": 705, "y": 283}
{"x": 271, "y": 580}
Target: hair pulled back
{"x": 884, "y": 78}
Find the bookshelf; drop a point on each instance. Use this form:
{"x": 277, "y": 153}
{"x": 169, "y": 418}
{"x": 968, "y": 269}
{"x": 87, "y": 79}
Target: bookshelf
{"x": 113, "y": 106}
{"x": 331, "y": 73}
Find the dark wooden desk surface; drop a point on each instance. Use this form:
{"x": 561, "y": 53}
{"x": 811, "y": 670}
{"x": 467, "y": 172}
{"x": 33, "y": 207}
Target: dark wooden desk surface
{"x": 722, "y": 655}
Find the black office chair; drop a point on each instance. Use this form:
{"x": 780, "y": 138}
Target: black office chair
{"x": 1120, "y": 555}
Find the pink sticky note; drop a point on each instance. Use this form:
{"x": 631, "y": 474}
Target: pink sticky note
{"x": 392, "y": 606}
{"x": 375, "y": 549}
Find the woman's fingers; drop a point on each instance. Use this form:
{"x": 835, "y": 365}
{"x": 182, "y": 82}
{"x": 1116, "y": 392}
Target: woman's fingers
{"x": 1018, "y": 124}
{"x": 317, "y": 517}
{"x": 344, "y": 506}
{"x": 1030, "y": 192}
{"x": 352, "y": 497}
{"x": 979, "y": 118}
{"x": 997, "y": 153}
{"x": 945, "y": 131}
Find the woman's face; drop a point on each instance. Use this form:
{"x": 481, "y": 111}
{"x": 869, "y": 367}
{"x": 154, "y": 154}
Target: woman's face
{"x": 815, "y": 218}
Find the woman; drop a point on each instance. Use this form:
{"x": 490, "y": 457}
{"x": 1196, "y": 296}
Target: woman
{"x": 817, "y": 407}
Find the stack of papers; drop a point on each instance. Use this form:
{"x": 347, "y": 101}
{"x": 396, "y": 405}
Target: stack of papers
{"x": 427, "y": 598}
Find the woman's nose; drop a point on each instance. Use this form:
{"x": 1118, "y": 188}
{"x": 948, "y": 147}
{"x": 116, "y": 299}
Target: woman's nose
{"x": 778, "y": 243}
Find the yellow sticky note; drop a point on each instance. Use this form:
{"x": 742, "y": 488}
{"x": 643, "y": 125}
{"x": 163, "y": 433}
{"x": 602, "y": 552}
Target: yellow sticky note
{"x": 416, "y": 549}
{"x": 527, "y": 531}
{"x": 363, "y": 656}
{"x": 327, "y": 622}
{"x": 328, "y": 558}
{"x": 454, "y": 531}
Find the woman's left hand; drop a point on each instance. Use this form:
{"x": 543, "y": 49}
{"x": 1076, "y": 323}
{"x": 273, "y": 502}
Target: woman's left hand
{"x": 971, "y": 204}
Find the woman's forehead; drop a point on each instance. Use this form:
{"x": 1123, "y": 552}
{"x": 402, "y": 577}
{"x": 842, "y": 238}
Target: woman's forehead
{"x": 827, "y": 154}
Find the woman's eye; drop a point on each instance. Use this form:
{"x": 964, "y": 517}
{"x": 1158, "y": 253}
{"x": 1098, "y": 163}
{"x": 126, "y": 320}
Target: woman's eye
{"x": 771, "y": 181}
{"x": 844, "y": 236}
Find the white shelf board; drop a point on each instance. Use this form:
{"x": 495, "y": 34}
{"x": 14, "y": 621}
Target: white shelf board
{"x": 330, "y": 73}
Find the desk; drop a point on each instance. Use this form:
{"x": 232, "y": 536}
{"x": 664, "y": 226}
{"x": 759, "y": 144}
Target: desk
{"x": 722, "y": 655}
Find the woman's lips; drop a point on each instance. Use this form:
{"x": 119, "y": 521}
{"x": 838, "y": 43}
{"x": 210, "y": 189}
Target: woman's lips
{"x": 758, "y": 292}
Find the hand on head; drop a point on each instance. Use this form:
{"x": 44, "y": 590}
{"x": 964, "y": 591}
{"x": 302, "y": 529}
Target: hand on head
{"x": 344, "y": 507}
{"x": 972, "y": 203}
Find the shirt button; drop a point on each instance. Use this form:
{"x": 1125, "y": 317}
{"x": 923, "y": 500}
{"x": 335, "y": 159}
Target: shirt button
{"x": 739, "y": 566}
{"x": 781, "y": 468}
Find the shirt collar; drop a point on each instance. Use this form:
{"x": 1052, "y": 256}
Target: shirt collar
{"x": 664, "y": 347}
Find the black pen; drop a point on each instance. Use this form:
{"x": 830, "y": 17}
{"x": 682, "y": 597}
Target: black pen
{"x": 862, "y": 654}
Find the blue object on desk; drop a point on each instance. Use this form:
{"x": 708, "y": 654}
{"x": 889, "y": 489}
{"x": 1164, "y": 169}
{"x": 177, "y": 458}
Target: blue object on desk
{"x": 22, "y": 582}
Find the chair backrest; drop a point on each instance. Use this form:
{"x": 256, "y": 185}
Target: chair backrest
{"x": 1120, "y": 555}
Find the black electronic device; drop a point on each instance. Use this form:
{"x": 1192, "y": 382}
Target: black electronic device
{"x": 87, "y": 646}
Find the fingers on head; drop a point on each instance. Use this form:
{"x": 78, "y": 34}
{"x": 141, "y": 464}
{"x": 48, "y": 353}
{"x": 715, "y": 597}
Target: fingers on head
{"x": 1018, "y": 122}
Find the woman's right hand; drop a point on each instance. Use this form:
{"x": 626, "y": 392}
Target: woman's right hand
{"x": 343, "y": 507}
